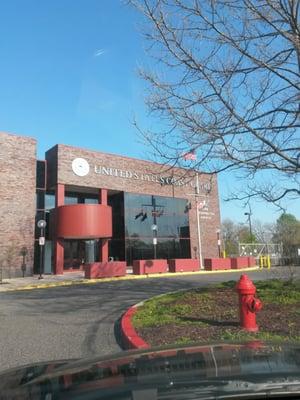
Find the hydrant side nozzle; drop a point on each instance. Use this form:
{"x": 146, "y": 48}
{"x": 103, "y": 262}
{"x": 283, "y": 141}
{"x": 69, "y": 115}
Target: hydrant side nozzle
{"x": 256, "y": 305}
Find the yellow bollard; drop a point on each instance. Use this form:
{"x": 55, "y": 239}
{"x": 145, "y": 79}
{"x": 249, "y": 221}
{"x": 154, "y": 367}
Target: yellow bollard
{"x": 224, "y": 254}
{"x": 265, "y": 262}
{"x": 261, "y": 262}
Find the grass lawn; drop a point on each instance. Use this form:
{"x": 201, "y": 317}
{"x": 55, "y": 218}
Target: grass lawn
{"x": 211, "y": 314}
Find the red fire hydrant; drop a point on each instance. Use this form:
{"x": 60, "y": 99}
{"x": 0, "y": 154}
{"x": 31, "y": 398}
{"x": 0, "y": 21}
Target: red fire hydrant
{"x": 249, "y": 305}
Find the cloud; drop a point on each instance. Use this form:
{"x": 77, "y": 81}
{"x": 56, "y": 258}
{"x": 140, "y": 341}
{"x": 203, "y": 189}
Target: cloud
{"x": 99, "y": 52}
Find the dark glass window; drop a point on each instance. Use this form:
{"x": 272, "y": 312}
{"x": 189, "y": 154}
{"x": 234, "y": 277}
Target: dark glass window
{"x": 169, "y": 215}
{"x": 71, "y": 200}
{"x": 49, "y": 201}
{"x": 116, "y": 249}
{"x": 41, "y": 174}
{"x": 143, "y": 248}
{"x": 116, "y": 246}
{"x": 116, "y": 201}
{"x": 89, "y": 200}
{"x": 40, "y": 199}
{"x": 139, "y": 249}
{"x": 36, "y": 266}
{"x": 81, "y": 198}
{"x": 49, "y": 227}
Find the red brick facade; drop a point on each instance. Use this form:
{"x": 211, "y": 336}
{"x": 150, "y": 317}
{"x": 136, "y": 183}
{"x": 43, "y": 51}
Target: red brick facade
{"x": 136, "y": 176}
{"x": 106, "y": 171}
{"x": 17, "y": 202}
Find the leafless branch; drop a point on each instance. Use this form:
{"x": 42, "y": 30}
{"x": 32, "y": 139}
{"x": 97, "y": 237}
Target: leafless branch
{"x": 225, "y": 83}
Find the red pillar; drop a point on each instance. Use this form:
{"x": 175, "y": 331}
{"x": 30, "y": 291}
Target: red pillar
{"x": 58, "y": 243}
{"x": 104, "y": 242}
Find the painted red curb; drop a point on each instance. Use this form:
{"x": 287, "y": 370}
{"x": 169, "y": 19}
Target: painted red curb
{"x": 131, "y": 339}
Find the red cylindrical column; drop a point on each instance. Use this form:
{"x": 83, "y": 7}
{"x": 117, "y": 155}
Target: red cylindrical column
{"x": 84, "y": 221}
{"x": 248, "y": 304}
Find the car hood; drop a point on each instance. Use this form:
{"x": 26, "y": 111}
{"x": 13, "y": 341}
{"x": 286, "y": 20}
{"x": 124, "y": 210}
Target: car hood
{"x": 201, "y": 371}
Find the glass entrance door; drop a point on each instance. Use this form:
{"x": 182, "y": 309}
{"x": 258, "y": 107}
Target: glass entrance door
{"x": 74, "y": 254}
{"x": 78, "y": 252}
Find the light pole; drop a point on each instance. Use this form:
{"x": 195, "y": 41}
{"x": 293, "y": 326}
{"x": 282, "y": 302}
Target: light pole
{"x": 42, "y": 225}
{"x": 250, "y": 226}
{"x": 154, "y": 230}
{"x": 155, "y": 214}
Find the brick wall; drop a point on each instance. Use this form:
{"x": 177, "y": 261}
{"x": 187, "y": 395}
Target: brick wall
{"x": 17, "y": 202}
{"x": 137, "y": 176}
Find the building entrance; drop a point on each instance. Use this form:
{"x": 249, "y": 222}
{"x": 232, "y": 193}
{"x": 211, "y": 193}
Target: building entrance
{"x": 78, "y": 252}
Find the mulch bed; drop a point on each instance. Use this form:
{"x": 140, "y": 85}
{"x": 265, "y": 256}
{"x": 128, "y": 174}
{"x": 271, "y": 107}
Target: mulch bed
{"x": 216, "y": 317}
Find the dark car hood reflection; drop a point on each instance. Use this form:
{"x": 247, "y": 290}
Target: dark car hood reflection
{"x": 204, "y": 371}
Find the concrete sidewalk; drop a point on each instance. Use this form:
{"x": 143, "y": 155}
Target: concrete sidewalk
{"x": 77, "y": 278}
{"x": 47, "y": 281}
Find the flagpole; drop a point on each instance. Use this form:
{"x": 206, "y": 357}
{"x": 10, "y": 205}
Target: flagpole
{"x": 198, "y": 222}
{"x": 192, "y": 156}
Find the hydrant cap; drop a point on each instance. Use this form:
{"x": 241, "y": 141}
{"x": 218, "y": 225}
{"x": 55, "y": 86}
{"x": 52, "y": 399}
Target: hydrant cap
{"x": 245, "y": 284}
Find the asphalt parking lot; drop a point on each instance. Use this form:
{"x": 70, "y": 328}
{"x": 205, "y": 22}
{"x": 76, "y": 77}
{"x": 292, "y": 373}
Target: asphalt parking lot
{"x": 79, "y": 321}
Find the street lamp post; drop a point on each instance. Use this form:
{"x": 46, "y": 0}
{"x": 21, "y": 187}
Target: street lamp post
{"x": 250, "y": 226}
{"x": 154, "y": 230}
{"x": 157, "y": 211}
{"x": 42, "y": 225}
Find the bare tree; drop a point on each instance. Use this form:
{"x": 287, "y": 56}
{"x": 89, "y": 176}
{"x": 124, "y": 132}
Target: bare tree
{"x": 225, "y": 85}
{"x": 263, "y": 231}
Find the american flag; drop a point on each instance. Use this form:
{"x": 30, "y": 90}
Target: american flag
{"x": 191, "y": 155}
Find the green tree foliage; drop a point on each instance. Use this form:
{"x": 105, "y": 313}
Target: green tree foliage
{"x": 233, "y": 234}
{"x": 229, "y": 235}
{"x": 287, "y": 232}
{"x": 245, "y": 236}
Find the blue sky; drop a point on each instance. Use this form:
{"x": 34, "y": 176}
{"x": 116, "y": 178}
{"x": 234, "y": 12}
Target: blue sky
{"x": 69, "y": 75}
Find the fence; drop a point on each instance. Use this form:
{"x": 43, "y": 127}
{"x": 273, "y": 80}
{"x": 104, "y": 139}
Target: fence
{"x": 267, "y": 253}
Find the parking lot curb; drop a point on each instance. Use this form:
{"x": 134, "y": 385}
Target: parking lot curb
{"x": 130, "y": 338}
